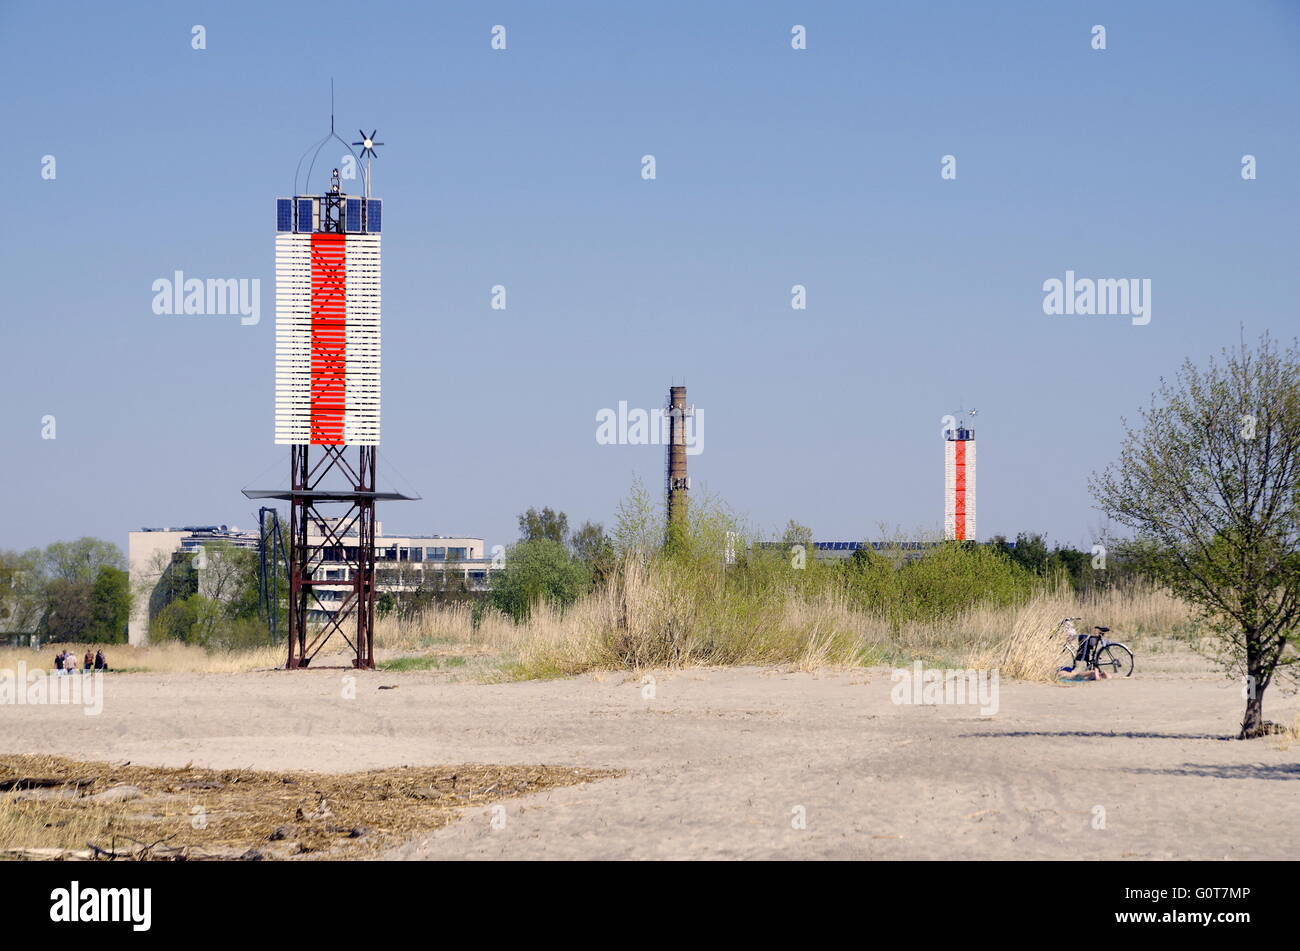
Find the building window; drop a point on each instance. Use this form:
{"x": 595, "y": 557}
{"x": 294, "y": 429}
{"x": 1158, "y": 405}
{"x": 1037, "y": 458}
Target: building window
{"x": 457, "y": 554}
{"x": 437, "y": 554}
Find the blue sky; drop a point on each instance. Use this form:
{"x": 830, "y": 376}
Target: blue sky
{"x": 522, "y": 167}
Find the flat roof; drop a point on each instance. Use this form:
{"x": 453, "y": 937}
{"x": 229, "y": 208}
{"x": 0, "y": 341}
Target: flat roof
{"x": 328, "y": 495}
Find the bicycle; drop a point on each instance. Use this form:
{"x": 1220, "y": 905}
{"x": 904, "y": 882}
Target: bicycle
{"x": 1096, "y": 651}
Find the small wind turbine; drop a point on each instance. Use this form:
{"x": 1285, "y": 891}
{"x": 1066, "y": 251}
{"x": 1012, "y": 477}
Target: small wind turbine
{"x": 368, "y": 152}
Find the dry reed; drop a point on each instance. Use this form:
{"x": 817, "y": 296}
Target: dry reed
{"x": 52, "y": 807}
{"x": 653, "y": 617}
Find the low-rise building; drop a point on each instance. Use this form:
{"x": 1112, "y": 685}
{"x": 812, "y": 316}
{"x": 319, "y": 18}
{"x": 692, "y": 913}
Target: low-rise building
{"x": 403, "y": 563}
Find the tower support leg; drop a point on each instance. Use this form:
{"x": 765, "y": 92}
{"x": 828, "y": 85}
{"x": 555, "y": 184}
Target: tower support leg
{"x": 346, "y": 544}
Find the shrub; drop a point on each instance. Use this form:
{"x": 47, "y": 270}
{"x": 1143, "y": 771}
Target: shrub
{"x": 540, "y": 569}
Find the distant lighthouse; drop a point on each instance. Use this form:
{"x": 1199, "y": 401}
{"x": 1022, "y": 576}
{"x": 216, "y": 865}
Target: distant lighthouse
{"x": 959, "y": 482}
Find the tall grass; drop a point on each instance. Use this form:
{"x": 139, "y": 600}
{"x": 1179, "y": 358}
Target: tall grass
{"x": 954, "y": 606}
{"x": 718, "y": 598}
{"x": 661, "y": 612}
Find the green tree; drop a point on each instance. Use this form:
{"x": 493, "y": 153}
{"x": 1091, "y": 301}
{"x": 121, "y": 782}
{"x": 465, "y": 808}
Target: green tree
{"x": 176, "y": 621}
{"x": 594, "y": 548}
{"x": 110, "y": 606}
{"x": 638, "y": 524}
{"x": 81, "y": 560}
{"x": 1210, "y": 486}
{"x": 939, "y": 583}
{"x": 67, "y": 610}
{"x": 209, "y": 597}
{"x": 955, "y": 577}
{"x": 871, "y": 580}
{"x": 228, "y": 574}
{"x": 541, "y": 569}
{"x": 1030, "y": 552}
{"x": 1077, "y": 567}
{"x": 22, "y": 591}
{"x": 544, "y": 524}
{"x": 797, "y": 534}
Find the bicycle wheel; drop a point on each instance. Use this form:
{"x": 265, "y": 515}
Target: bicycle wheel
{"x": 1115, "y": 659}
{"x": 1065, "y": 661}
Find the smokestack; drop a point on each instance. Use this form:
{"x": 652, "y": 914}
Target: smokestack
{"x": 678, "y": 482}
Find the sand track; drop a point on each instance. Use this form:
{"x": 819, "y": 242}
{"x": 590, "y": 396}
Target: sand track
{"x": 719, "y": 760}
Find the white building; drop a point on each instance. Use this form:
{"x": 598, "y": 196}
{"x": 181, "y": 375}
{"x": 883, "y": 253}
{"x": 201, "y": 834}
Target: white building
{"x": 401, "y": 563}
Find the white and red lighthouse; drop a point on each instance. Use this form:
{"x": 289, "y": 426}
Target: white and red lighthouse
{"x": 327, "y": 393}
{"x": 959, "y": 483}
{"x": 327, "y": 315}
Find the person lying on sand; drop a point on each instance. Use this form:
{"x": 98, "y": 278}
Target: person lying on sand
{"x": 1093, "y": 674}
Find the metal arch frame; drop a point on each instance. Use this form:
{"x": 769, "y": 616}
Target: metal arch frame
{"x": 311, "y": 167}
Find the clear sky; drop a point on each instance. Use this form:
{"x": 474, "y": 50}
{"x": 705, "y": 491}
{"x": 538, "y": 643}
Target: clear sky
{"x": 522, "y": 168}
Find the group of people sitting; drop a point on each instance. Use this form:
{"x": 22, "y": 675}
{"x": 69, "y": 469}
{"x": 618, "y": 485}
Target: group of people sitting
{"x": 65, "y": 662}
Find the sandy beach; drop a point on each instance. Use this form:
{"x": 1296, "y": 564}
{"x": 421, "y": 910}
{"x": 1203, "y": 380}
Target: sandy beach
{"x": 748, "y": 762}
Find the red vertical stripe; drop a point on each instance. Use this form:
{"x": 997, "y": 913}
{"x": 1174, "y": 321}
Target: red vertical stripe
{"x": 329, "y": 370}
{"x": 960, "y": 489}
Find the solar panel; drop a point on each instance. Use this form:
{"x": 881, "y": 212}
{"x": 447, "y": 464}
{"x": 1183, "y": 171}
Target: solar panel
{"x": 304, "y": 214}
{"x": 353, "y": 222}
{"x": 283, "y": 214}
{"x": 374, "y": 215}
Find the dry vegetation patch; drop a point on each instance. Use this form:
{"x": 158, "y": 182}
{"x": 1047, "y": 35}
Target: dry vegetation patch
{"x": 51, "y": 807}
